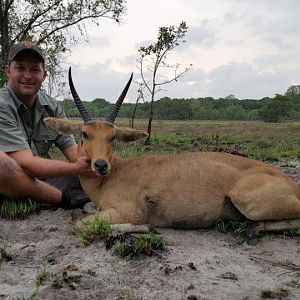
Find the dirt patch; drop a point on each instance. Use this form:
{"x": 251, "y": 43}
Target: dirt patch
{"x": 197, "y": 264}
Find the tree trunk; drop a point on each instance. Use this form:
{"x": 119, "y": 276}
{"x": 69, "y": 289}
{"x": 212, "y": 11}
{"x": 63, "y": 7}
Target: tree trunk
{"x": 4, "y": 38}
{"x": 147, "y": 142}
{"x": 133, "y": 114}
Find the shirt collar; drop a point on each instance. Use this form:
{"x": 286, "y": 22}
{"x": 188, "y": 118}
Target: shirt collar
{"x": 40, "y": 100}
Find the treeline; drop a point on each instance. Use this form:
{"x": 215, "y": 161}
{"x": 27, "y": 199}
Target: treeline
{"x": 277, "y": 109}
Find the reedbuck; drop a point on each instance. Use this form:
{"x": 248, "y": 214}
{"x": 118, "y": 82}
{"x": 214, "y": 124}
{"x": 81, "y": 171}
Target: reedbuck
{"x": 190, "y": 190}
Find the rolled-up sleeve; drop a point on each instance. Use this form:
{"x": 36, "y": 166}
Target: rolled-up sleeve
{"x": 11, "y": 135}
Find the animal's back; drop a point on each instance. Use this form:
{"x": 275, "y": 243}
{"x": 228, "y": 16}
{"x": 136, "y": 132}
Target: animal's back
{"x": 188, "y": 190}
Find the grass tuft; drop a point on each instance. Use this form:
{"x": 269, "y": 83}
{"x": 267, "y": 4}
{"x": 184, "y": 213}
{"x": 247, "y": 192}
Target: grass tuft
{"x": 146, "y": 244}
{"x": 13, "y": 209}
{"x": 31, "y": 297}
{"x": 123, "y": 244}
{"x": 292, "y": 232}
{"x": 91, "y": 230}
{"x": 278, "y": 294}
{"x": 237, "y": 227}
{"x": 4, "y": 256}
{"x": 44, "y": 274}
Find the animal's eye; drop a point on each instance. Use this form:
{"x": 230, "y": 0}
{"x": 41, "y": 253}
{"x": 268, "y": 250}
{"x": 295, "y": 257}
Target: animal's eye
{"x": 113, "y": 137}
{"x": 85, "y": 135}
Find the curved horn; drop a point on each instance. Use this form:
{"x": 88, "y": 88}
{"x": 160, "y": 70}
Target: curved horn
{"x": 112, "y": 116}
{"x": 83, "y": 111}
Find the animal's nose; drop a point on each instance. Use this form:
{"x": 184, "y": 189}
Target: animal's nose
{"x": 101, "y": 166}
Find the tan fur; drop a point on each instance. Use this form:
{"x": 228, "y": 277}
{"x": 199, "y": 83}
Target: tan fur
{"x": 183, "y": 191}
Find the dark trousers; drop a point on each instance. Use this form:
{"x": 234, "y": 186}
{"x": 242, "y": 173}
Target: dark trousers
{"x": 70, "y": 185}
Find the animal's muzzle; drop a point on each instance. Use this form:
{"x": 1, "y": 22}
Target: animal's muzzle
{"x": 101, "y": 166}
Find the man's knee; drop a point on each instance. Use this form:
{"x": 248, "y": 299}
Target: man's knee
{"x": 13, "y": 181}
{"x": 8, "y": 166}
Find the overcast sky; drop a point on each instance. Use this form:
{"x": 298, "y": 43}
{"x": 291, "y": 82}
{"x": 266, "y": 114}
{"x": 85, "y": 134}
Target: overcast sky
{"x": 248, "y": 48}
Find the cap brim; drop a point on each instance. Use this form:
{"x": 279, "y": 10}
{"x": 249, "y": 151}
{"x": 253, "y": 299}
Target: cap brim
{"x": 32, "y": 51}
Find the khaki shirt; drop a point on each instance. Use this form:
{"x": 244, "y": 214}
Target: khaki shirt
{"x": 22, "y": 130}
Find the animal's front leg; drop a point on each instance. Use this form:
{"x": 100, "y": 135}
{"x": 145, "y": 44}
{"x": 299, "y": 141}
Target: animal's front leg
{"x": 262, "y": 227}
{"x": 109, "y": 215}
{"x": 118, "y": 222}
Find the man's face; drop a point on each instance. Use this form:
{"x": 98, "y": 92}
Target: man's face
{"x": 26, "y": 74}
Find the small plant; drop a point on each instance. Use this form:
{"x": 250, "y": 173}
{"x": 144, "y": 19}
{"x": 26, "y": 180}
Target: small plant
{"x": 127, "y": 245}
{"x": 4, "y": 255}
{"x": 278, "y": 294}
{"x": 91, "y": 230}
{"x": 237, "y": 227}
{"x": 147, "y": 244}
{"x": 128, "y": 296}
{"x": 31, "y": 297}
{"x": 293, "y": 232}
{"x": 13, "y": 209}
{"x": 44, "y": 274}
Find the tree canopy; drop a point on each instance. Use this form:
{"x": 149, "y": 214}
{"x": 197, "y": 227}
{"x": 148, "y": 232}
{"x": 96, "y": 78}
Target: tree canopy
{"x": 49, "y": 22}
{"x": 277, "y": 109}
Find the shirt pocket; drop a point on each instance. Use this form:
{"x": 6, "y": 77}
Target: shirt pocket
{"x": 43, "y": 142}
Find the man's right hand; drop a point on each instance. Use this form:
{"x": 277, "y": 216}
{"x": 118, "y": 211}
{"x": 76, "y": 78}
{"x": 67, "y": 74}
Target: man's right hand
{"x": 84, "y": 167}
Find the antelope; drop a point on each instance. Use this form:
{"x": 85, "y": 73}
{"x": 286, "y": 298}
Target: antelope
{"x": 190, "y": 190}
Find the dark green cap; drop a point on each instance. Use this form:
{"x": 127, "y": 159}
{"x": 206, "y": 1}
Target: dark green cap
{"x": 25, "y": 46}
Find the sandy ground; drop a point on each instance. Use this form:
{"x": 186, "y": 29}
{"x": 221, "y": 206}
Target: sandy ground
{"x": 197, "y": 264}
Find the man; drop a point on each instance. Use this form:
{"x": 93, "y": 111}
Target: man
{"x": 26, "y": 169}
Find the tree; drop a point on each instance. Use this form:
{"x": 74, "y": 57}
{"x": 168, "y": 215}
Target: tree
{"x": 48, "y": 23}
{"x": 140, "y": 96}
{"x": 230, "y": 97}
{"x": 293, "y": 90}
{"x": 277, "y": 110}
{"x": 153, "y": 58}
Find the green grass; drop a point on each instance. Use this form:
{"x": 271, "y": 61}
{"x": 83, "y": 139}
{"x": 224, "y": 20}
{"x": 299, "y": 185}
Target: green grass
{"x": 43, "y": 274}
{"x": 292, "y": 232}
{"x": 92, "y": 230}
{"x": 147, "y": 244}
{"x": 128, "y": 296}
{"x": 123, "y": 244}
{"x": 276, "y": 294}
{"x": 263, "y": 141}
{"x": 130, "y": 150}
{"x": 5, "y": 255}
{"x": 11, "y": 209}
{"x": 259, "y": 140}
{"x": 30, "y": 297}
{"x": 262, "y": 148}
{"x": 237, "y": 227}
{"x": 240, "y": 228}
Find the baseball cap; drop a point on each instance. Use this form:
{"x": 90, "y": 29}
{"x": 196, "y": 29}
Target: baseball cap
{"x": 25, "y": 45}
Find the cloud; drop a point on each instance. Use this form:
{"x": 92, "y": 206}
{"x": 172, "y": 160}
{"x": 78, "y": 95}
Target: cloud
{"x": 283, "y": 60}
{"x": 274, "y": 17}
{"x": 248, "y": 48}
{"x": 278, "y": 42}
{"x": 144, "y": 43}
{"x": 202, "y": 35}
{"x": 244, "y": 81}
{"x": 97, "y": 81}
{"x": 191, "y": 85}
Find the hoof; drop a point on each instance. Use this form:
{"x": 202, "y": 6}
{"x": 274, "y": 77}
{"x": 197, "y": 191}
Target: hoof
{"x": 90, "y": 208}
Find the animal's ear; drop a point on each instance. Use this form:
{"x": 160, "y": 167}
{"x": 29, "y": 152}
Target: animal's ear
{"x": 129, "y": 134}
{"x": 63, "y": 125}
